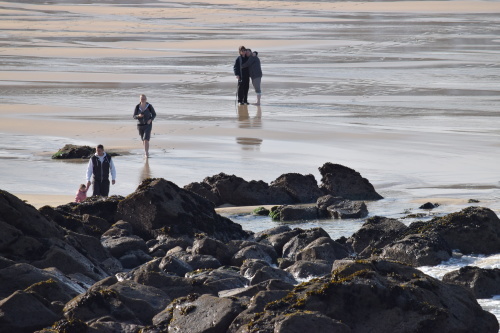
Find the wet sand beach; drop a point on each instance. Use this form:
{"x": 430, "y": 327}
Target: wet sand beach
{"x": 404, "y": 92}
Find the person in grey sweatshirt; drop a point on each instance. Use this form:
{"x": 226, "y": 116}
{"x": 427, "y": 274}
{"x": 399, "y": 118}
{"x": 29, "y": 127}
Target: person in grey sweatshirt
{"x": 253, "y": 65}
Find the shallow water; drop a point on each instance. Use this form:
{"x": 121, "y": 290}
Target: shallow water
{"x": 410, "y": 100}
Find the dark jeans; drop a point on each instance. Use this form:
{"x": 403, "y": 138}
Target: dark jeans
{"x": 101, "y": 188}
{"x": 243, "y": 87}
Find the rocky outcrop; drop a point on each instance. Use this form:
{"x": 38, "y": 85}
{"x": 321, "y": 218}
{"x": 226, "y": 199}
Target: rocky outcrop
{"x": 483, "y": 283}
{"x": 163, "y": 260}
{"x": 472, "y": 230}
{"x": 340, "y": 181}
{"x": 418, "y": 250}
{"x": 387, "y": 295}
{"x": 302, "y": 188}
{"x": 374, "y": 234}
{"x": 290, "y": 188}
{"x": 70, "y": 151}
{"x": 159, "y": 207}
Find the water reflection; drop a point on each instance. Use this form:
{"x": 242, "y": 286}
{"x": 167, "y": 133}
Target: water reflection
{"x": 245, "y": 121}
{"x": 146, "y": 171}
{"x": 244, "y": 117}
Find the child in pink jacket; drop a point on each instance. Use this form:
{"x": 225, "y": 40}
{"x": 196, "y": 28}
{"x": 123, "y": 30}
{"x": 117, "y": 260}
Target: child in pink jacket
{"x": 82, "y": 193}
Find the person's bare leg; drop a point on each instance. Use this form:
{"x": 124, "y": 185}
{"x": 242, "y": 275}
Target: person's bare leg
{"x": 258, "y": 99}
{"x": 146, "y": 148}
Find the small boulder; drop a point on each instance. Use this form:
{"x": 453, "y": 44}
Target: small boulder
{"x": 341, "y": 181}
{"x": 484, "y": 283}
{"x": 348, "y": 210}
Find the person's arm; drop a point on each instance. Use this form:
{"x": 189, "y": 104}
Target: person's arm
{"x": 90, "y": 170}
{"x": 248, "y": 63}
{"x": 136, "y": 112}
{"x": 236, "y": 68}
{"x": 153, "y": 113}
{"x": 113, "y": 171}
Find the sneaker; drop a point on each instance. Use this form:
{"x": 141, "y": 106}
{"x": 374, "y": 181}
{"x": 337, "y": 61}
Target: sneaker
{"x": 241, "y": 103}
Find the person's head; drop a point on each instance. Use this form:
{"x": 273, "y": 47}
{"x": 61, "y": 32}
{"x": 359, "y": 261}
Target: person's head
{"x": 99, "y": 150}
{"x": 255, "y": 53}
{"x": 248, "y": 52}
{"x": 143, "y": 98}
{"x": 242, "y": 50}
{"x": 83, "y": 187}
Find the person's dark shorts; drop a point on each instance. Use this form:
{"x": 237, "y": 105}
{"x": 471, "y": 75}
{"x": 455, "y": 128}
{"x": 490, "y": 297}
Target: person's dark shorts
{"x": 145, "y": 131}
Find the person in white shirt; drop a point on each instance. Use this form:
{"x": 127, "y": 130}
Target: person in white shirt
{"x": 100, "y": 166}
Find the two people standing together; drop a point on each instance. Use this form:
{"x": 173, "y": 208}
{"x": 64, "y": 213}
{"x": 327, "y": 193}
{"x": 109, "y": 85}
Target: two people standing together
{"x": 247, "y": 66}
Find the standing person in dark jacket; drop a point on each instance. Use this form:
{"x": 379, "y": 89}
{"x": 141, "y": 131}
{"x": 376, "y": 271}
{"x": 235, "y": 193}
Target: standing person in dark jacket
{"x": 243, "y": 76}
{"x": 255, "y": 71}
{"x": 145, "y": 114}
{"x": 100, "y": 165}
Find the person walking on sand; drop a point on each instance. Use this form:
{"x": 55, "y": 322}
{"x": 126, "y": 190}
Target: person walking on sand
{"x": 145, "y": 114}
{"x": 242, "y": 75}
{"x": 255, "y": 71}
{"x": 100, "y": 166}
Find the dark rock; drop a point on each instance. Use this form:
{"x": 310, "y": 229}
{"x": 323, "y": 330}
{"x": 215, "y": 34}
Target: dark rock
{"x": 95, "y": 225}
{"x": 261, "y": 211}
{"x": 143, "y": 301}
{"x": 323, "y": 248}
{"x": 161, "y": 207}
{"x": 171, "y": 264}
{"x": 98, "y": 303}
{"x": 22, "y": 276}
{"x": 429, "y": 205}
{"x": 271, "y": 273}
{"x": 23, "y": 312}
{"x": 324, "y": 202}
{"x": 250, "y": 267}
{"x": 198, "y": 261}
{"x": 265, "y": 234}
{"x": 378, "y": 296}
{"x": 206, "y": 191}
{"x": 303, "y": 189}
{"x": 205, "y": 314}
{"x": 484, "y": 283}
{"x": 70, "y": 261}
{"x": 418, "y": 250}
{"x": 348, "y": 210}
{"x": 256, "y": 251}
{"x": 134, "y": 258}
{"x": 102, "y": 207}
{"x": 235, "y": 246}
{"x": 299, "y": 242}
{"x": 294, "y": 213}
{"x": 269, "y": 285}
{"x": 166, "y": 243}
{"x": 472, "y": 230}
{"x": 256, "y": 305}
{"x": 73, "y": 151}
{"x": 119, "y": 246}
{"x": 109, "y": 326}
{"x": 279, "y": 240}
{"x": 300, "y": 322}
{"x": 222, "y": 278}
{"x": 341, "y": 181}
{"x": 26, "y": 219}
{"x": 150, "y": 274}
{"x": 210, "y": 246}
{"x": 302, "y": 269}
{"x": 374, "y": 234}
